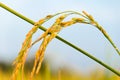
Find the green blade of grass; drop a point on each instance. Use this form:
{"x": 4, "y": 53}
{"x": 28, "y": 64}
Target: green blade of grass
{"x": 61, "y": 39}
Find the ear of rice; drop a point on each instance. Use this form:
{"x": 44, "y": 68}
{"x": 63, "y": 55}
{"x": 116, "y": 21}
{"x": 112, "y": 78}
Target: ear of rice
{"x": 54, "y": 29}
{"x": 20, "y": 60}
{"x": 94, "y": 23}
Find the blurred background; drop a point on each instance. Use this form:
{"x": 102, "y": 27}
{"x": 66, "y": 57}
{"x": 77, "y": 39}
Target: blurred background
{"x": 60, "y": 58}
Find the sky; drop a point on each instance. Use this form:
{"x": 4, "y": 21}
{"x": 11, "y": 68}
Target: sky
{"x": 107, "y": 13}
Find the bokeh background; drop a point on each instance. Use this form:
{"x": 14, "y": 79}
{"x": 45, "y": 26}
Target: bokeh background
{"x": 58, "y": 54}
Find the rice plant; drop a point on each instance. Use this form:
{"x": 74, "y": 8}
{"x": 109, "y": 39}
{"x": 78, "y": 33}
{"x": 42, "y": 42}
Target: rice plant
{"x": 51, "y": 33}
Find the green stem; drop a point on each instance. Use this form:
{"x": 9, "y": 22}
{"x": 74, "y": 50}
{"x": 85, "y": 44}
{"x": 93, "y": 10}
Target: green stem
{"x": 59, "y": 38}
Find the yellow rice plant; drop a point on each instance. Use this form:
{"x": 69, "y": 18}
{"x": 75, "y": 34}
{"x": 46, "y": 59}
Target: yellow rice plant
{"x": 48, "y": 35}
{"x": 51, "y": 33}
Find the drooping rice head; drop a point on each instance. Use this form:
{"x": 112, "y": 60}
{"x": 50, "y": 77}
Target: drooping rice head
{"x": 20, "y": 60}
{"x": 95, "y": 23}
{"x": 53, "y": 30}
